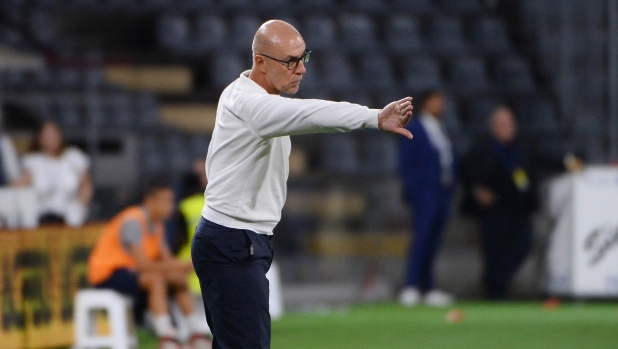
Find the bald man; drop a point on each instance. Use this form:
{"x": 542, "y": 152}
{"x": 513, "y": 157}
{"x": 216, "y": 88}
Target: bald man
{"x": 499, "y": 178}
{"x": 247, "y": 170}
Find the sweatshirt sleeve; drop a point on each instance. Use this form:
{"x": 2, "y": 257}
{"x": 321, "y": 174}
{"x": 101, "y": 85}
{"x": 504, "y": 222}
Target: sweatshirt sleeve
{"x": 272, "y": 116}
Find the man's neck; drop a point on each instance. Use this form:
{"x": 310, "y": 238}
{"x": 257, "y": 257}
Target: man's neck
{"x": 259, "y": 79}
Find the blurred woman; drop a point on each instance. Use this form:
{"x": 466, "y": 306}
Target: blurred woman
{"x": 60, "y": 176}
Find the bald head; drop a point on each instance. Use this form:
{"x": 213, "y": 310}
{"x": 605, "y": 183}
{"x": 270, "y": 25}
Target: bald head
{"x": 278, "y": 63}
{"x": 275, "y": 35}
{"x": 503, "y": 125}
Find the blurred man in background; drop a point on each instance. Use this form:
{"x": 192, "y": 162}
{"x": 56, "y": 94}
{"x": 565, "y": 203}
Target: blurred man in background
{"x": 132, "y": 258}
{"x": 427, "y": 171}
{"x": 497, "y": 176}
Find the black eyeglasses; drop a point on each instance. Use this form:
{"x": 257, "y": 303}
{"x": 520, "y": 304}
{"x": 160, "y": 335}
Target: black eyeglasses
{"x": 292, "y": 63}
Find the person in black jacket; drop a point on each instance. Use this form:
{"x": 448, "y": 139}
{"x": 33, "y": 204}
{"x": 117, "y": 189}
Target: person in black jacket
{"x": 501, "y": 195}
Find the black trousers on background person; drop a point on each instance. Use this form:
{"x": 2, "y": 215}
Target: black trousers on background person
{"x": 506, "y": 241}
{"x": 231, "y": 265}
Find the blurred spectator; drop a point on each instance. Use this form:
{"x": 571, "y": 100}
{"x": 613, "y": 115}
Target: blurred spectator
{"x": 9, "y": 162}
{"x": 131, "y": 257}
{"x": 501, "y": 195}
{"x": 427, "y": 172}
{"x": 192, "y": 183}
{"x": 60, "y": 176}
{"x": 190, "y": 207}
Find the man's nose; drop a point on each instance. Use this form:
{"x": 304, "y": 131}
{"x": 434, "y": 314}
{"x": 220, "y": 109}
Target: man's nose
{"x": 300, "y": 68}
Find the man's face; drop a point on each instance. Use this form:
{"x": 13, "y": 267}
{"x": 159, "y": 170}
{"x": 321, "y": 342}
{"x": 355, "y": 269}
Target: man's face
{"x": 278, "y": 75}
{"x": 161, "y": 204}
{"x": 504, "y": 126}
{"x": 435, "y": 105}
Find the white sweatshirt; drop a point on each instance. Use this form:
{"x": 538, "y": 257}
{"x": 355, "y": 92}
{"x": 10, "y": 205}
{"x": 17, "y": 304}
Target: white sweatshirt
{"x": 247, "y": 161}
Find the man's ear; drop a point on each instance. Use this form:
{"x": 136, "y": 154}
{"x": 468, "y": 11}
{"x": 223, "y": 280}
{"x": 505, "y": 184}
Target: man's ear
{"x": 260, "y": 63}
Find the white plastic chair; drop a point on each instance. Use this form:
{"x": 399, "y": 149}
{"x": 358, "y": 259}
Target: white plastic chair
{"x": 120, "y": 318}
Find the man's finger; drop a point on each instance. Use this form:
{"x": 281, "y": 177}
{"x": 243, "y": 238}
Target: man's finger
{"x": 404, "y": 132}
{"x": 407, "y": 99}
{"x": 406, "y": 110}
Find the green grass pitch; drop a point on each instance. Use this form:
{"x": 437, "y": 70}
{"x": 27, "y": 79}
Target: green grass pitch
{"x": 485, "y": 325}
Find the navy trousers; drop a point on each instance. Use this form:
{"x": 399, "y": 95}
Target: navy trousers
{"x": 430, "y": 216}
{"x": 231, "y": 265}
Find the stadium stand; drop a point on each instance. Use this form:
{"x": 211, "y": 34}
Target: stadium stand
{"x": 469, "y": 48}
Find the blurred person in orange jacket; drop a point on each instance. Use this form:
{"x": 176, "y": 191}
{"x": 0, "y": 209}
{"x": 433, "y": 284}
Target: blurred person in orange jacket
{"x": 131, "y": 257}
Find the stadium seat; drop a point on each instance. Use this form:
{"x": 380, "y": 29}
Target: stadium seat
{"x": 337, "y": 73}
{"x": 358, "y": 32}
{"x": 153, "y": 160}
{"x": 93, "y": 106}
{"x": 85, "y": 4}
{"x": 94, "y": 78}
{"x": 357, "y": 96}
{"x": 415, "y": 7}
{"x": 118, "y": 111}
{"x": 446, "y": 37}
{"x": 41, "y": 27}
{"x": 11, "y": 36}
{"x": 376, "y": 72}
{"x": 235, "y": 6}
{"x": 381, "y": 155}
{"x": 319, "y": 32}
{"x": 146, "y": 110}
{"x": 173, "y": 33}
{"x": 403, "y": 34}
{"x": 461, "y": 7}
{"x": 513, "y": 76}
{"x": 45, "y": 4}
{"x": 537, "y": 117}
{"x": 341, "y": 156}
{"x": 16, "y": 79}
{"x": 226, "y": 67}
{"x": 199, "y": 146}
{"x": 193, "y": 5}
{"x": 420, "y": 74}
{"x": 210, "y": 33}
{"x": 43, "y": 79}
{"x": 67, "y": 112}
{"x": 242, "y": 31}
{"x": 177, "y": 154}
{"x": 491, "y": 37}
{"x": 69, "y": 79}
{"x": 469, "y": 76}
{"x": 272, "y": 7}
{"x": 366, "y": 6}
{"x": 315, "y": 6}
{"x": 479, "y": 111}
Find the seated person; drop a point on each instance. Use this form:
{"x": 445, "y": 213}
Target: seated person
{"x": 131, "y": 257}
{"x": 60, "y": 177}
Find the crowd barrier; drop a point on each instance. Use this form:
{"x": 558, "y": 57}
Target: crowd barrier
{"x": 40, "y": 272}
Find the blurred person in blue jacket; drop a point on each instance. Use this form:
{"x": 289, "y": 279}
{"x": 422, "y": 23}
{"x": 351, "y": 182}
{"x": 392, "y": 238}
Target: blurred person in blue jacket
{"x": 427, "y": 172}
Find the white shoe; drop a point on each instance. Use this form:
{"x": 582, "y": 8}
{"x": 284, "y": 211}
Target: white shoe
{"x": 437, "y": 298}
{"x": 410, "y": 297}
{"x": 200, "y": 341}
